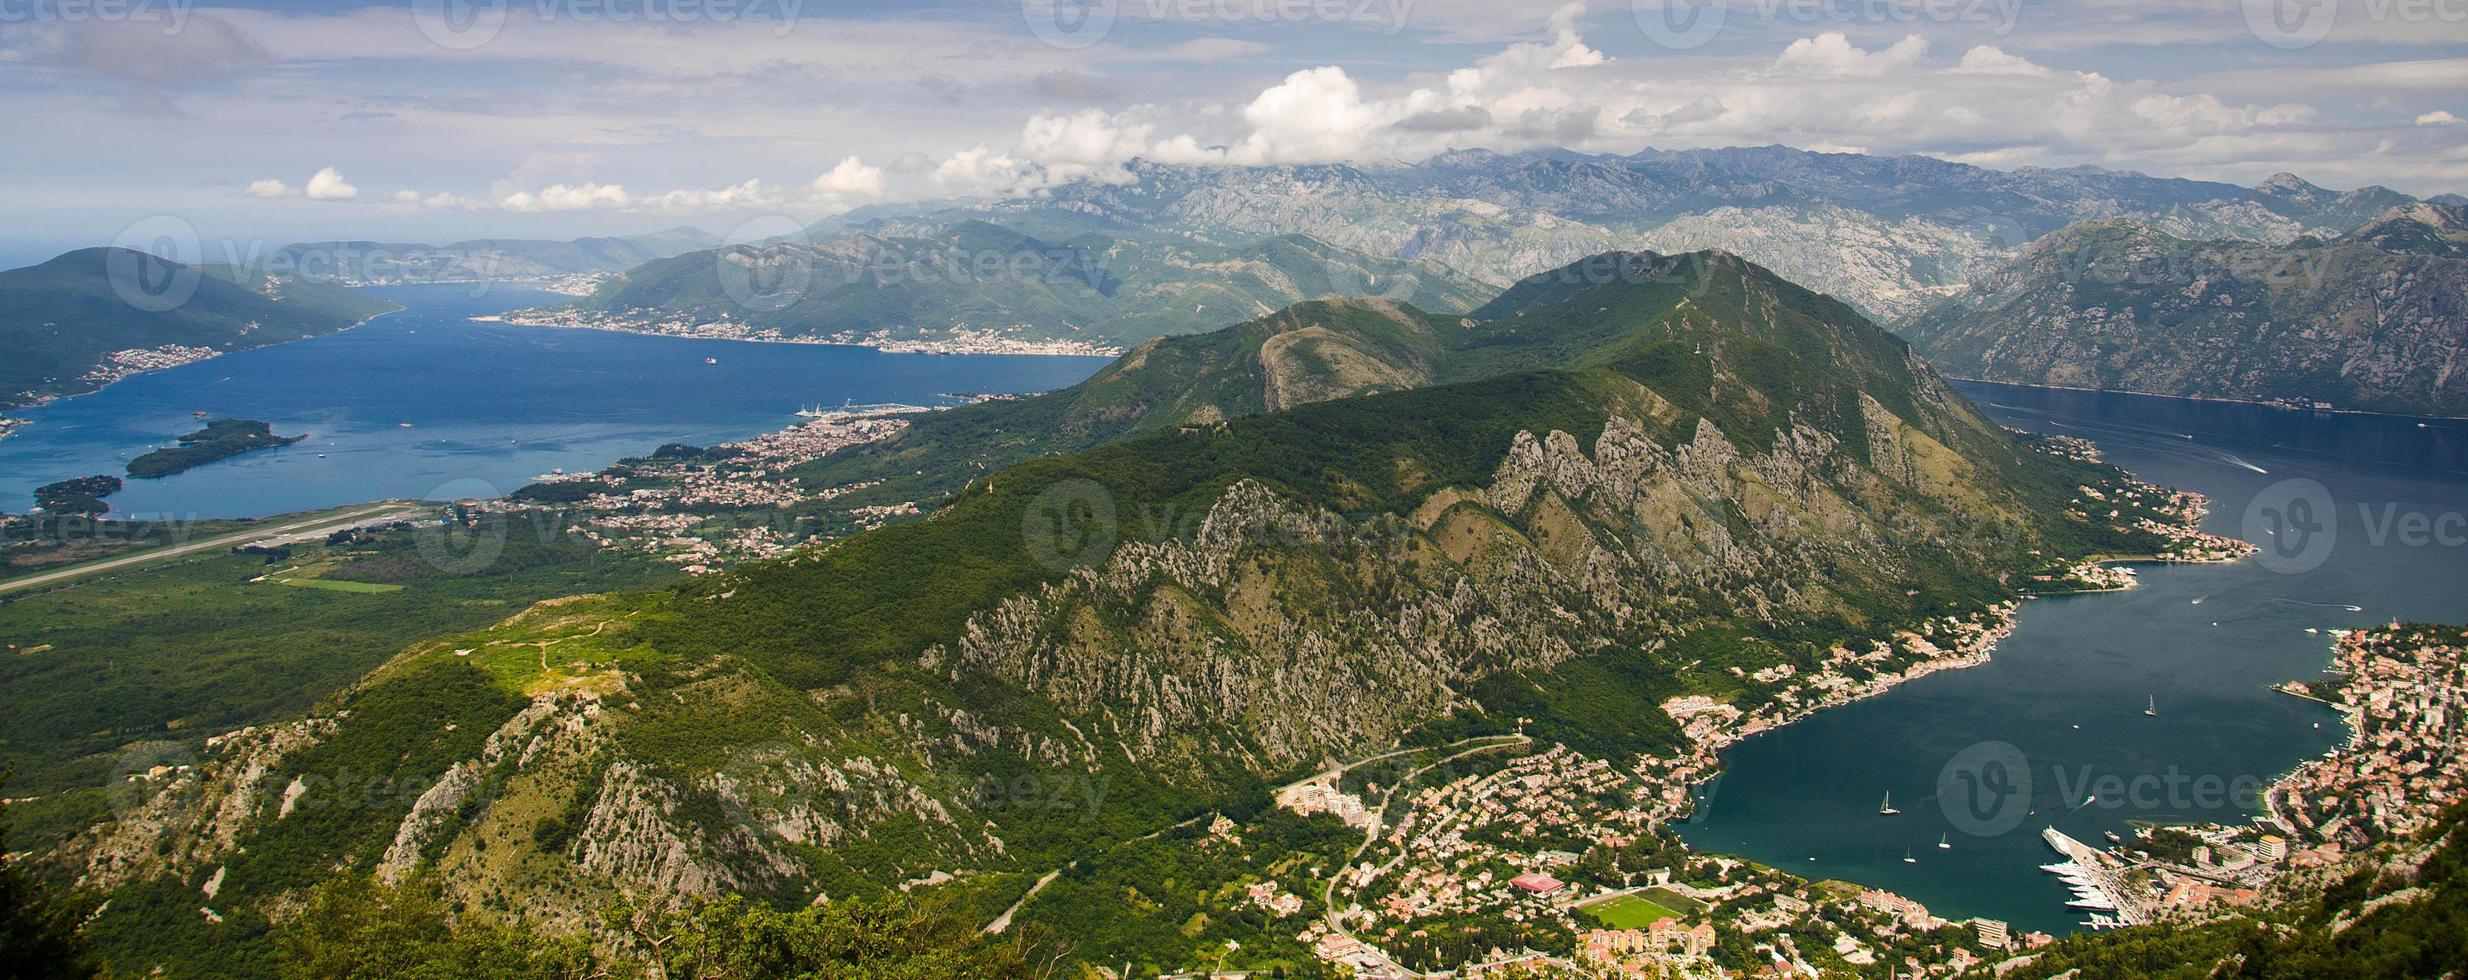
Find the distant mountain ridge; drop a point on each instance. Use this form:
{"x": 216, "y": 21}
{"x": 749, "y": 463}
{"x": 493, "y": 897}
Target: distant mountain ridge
{"x": 1886, "y": 234}
{"x": 976, "y": 276}
{"x": 87, "y": 317}
{"x": 480, "y": 259}
{"x": 2375, "y": 320}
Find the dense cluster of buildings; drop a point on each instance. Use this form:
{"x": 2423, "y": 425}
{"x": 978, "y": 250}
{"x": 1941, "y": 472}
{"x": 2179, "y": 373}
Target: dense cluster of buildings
{"x": 705, "y": 510}
{"x": 122, "y": 363}
{"x": 2402, "y": 689}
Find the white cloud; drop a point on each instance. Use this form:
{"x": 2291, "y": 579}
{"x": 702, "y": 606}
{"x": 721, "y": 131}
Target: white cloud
{"x": 270, "y": 188}
{"x": 328, "y": 185}
{"x": 851, "y": 178}
{"x": 1988, "y": 60}
{"x": 1832, "y": 54}
{"x": 2439, "y": 117}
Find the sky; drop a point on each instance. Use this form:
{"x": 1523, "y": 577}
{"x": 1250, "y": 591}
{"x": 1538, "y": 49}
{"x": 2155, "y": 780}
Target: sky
{"x": 437, "y": 120}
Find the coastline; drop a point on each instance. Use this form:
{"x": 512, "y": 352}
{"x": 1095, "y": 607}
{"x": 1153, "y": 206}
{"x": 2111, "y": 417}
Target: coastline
{"x": 1704, "y": 764}
{"x": 983, "y": 344}
{"x": 9, "y": 424}
{"x": 2218, "y": 399}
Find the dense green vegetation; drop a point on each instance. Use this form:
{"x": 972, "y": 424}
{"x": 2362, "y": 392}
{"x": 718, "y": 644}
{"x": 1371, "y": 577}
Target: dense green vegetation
{"x": 729, "y": 699}
{"x": 38, "y": 931}
{"x": 81, "y": 496}
{"x": 176, "y": 652}
{"x": 356, "y": 927}
{"x": 220, "y": 439}
{"x": 58, "y": 320}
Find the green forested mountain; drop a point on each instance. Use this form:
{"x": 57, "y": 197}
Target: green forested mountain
{"x": 1319, "y": 535}
{"x": 2374, "y": 320}
{"x": 61, "y": 321}
{"x": 973, "y": 275}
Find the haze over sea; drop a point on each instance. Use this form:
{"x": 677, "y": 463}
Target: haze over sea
{"x": 489, "y": 406}
{"x": 2203, "y": 642}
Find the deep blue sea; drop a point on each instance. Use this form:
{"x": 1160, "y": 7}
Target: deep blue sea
{"x": 424, "y": 403}
{"x": 2203, "y": 642}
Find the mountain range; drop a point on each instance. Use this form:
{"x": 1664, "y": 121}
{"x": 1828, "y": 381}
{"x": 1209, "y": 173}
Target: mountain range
{"x": 366, "y": 263}
{"x": 1885, "y": 234}
{"x": 2376, "y": 319}
{"x": 1341, "y": 529}
{"x": 972, "y": 276}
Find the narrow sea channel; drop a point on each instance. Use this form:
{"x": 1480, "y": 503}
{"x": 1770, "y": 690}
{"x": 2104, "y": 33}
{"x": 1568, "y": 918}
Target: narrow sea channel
{"x": 2069, "y": 689}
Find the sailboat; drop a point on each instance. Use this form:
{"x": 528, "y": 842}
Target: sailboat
{"x": 1907, "y": 858}
{"x": 2154, "y": 710}
{"x": 1887, "y": 808}
{"x": 1942, "y": 845}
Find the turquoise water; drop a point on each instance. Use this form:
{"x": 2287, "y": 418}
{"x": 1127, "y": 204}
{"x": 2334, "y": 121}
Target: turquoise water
{"x": 489, "y": 406}
{"x": 2203, "y": 642}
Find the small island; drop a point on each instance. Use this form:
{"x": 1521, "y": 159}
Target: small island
{"x": 220, "y": 439}
{"x": 83, "y": 495}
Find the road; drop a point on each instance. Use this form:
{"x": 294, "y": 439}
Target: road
{"x": 326, "y": 522}
{"x": 1328, "y": 893}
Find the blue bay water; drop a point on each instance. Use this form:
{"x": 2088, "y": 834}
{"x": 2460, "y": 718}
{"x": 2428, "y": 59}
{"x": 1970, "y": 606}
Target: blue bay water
{"x": 2202, "y": 641}
{"x": 489, "y": 406}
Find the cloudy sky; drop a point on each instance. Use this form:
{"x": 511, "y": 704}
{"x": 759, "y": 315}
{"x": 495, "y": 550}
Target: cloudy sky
{"x": 445, "y": 119}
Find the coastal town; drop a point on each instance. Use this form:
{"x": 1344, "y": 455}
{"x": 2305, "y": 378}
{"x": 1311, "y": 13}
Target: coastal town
{"x": 703, "y": 509}
{"x": 664, "y": 323}
{"x": 1575, "y": 857}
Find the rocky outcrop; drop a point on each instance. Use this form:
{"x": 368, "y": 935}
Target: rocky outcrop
{"x": 2375, "y": 321}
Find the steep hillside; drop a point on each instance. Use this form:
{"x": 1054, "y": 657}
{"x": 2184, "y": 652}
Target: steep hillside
{"x": 1621, "y": 491}
{"x": 83, "y": 319}
{"x": 976, "y": 277}
{"x": 2376, "y": 320}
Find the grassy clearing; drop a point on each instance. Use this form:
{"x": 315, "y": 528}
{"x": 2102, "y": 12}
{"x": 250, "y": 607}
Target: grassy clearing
{"x": 1629, "y": 912}
{"x": 335, "y": 585}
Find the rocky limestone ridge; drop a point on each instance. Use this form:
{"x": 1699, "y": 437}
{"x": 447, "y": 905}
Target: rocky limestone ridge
{"x": 2377, "y": 321}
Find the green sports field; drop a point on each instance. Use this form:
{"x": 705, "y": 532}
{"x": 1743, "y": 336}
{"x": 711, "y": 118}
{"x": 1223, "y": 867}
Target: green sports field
{"x": 1628, "y": 912}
